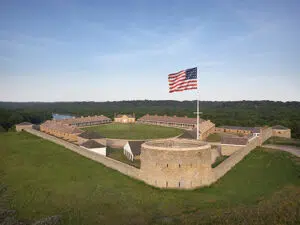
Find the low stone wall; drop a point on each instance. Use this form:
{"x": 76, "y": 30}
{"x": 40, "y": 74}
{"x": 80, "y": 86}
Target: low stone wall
{"x": 230, "y": 149}
{"x": 235, "y": 158}
{"x": 111, "y": 163}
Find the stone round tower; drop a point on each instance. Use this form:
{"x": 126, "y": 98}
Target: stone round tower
{"x": 176, "y": 163}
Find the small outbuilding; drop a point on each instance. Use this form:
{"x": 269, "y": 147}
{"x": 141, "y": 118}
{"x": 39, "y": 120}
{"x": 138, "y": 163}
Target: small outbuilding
{"x": 281, "y": 131}
{"x": 94, "y": 146}
{"x": 132, "y": 149}
{"x": 23, "y": 125}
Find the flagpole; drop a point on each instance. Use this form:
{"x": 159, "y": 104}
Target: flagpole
{"x": 197, "y": 106}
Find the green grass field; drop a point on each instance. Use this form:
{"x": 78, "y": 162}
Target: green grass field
{"x": 45, "y": 179}
{"x": 135, "y": 131}
{"x": 216, "y": 137}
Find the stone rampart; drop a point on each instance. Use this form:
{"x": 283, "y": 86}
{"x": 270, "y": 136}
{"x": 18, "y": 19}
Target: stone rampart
{"x": 111, "y": 163}
{"x": 265, "y": 134}
{"x": 235, "y": 158}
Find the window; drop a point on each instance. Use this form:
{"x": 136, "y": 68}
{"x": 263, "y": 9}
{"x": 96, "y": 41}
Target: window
{"x": 166, "y": 183}
{"x": 179, "y": 184}
{"x": 167, "y": 165}
{"x": 179, "y": 165}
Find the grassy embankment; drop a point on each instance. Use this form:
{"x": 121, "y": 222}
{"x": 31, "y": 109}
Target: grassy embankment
{"x": 135, "y": 131}
{"x": 44, "y": 179}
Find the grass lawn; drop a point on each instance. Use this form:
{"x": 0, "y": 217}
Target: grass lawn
{"x": 117, "y": 154}
{"x": 283, "y": 141}
{"x": 45, "y": 179}
{"x": 216, "y": 137}
{"x": 135, "y": 131}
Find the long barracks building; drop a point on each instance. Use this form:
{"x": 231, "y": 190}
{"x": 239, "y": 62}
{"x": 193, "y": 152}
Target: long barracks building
{"x": 87, "y": 121}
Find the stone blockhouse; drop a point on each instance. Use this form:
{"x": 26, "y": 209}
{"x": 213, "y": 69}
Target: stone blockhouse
{"x": 176, "y": 163}
{"x": 94, "y": 146}
{"x": 281, "y": 131}
{"x": 61, "y": 130}
{"x": 132, "y": 149}
{"x": 23, "y": 125}
{"x": 124, "y": 118}
{"x": 206, "y": 127}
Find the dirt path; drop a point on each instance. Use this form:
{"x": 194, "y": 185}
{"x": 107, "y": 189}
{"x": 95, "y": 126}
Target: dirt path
{"x": 291, "y": 149}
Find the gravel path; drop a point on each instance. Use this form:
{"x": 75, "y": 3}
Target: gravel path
{"x": 291, "y": 149}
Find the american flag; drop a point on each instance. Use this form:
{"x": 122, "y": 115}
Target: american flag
{"x": 183, "y": 80}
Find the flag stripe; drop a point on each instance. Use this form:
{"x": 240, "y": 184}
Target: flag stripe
{"x": 184, "y": 86}
{"x": 177, "y": 81}
{"x": 184, "y": 89}
{"x": 176, "y": 74}
{"x": 177, "y": 77}
{"x": 185, "y": 82}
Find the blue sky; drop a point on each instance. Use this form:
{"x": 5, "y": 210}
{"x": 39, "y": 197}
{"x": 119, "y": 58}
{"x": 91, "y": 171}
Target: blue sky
{"x": 63, "y": 50}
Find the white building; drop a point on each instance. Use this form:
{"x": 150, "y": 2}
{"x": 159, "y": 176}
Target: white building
{"x": 132, "y": 149}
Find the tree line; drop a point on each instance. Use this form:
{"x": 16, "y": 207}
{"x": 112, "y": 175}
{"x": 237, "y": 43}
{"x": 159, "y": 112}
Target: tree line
{"x": 238, "y": 113}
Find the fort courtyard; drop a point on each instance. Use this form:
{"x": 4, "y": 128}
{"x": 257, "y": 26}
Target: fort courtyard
{"x": 135, "y": 131}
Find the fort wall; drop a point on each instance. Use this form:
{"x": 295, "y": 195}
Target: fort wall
{"x": 235, "y": 158}
{"x": 20, "y": 127}
{"x": 111, "y": 163}
{"x": 265, "y": 134}
{"x": 228, "y": 149}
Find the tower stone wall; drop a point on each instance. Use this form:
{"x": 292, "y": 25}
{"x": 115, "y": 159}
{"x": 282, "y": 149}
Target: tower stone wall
{"x": 176, "y": 163}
